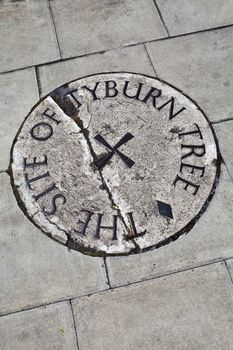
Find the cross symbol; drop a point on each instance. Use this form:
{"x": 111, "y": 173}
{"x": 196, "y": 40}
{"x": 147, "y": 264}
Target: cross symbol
{"x": 99, "y": 163}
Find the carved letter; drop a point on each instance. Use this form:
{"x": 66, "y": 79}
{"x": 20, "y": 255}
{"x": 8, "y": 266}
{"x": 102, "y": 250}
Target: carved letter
{"x": 193, "y": 168}
{"x": 49, "y": 189}
{"x": 36, "y": 178}
{"x": 50, "y": 116}
{"x": 113, "y": 228}
{"x": 71, "y": 94}
{"x": 171, "y": 111}
{"x": 54, "y": 204}
{"x": 35, "y": 163}
{"x": 85, "y": 223}
{"x": 92, "y": 91}
{"x": 110, "y": 86}
{"x": 198, "y": 131}
{"x": 137, "y": 93}
{"x": 194, "y": 148}
{"x": 153, "y": 93}
{"x": 49, "y": 132}
{"x": 187, "y": 184}
{"x": 135, "y": 233}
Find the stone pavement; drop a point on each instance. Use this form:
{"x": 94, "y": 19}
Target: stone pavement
{"x": 177, "y": 297}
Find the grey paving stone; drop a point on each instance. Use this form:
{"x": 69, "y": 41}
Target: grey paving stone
{"x": 189, "y": 16}
{"x": 201, "y": 66}
{"x": 189, "y": 310}
{"x": 46, "y": 328}
{"x": 210, "y": 239}
{"x": 224, "y": 133}
{"x": 92, "y": 25}
{"x": 19, "y": 93}
{"x": 26, "y": 34}
{"x": 133, "y": 59}
{"x": 36, "y": 270}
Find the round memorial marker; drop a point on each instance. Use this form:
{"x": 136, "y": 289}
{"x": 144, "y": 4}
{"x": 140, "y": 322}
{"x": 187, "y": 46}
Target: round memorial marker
{"x": 115, "y": 163}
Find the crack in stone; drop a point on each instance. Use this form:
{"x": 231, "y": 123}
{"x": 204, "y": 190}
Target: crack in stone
{"x": 37, "y": 212}
{"x": 57, "y": 237}
{"x": 73, "y": 114}
{"x": 129, "y": 236}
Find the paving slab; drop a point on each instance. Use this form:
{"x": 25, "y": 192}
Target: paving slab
{"x": 19, "y": 93}
{"x": 201, "y": 66}
{"x": 189, "y": 16}
{"x": 189, "y": 310}
{"x": 92, "y": 26}
{"x": 46, "y": 328}
{"x": 133, "y": 58}
{"x": 26, "y": 34}
{"x": 210, "y": 239}
{"x": 224, "y": 132}
{"x": 36, "y": 270}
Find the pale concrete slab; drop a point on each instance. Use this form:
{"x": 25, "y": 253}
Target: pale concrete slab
{"x": 46, "y": 328}
{"x": 36, "y": 270}
{"x": 211, "y": 239}
{"x": 92, "y": 25}
{"x": 133, "y": 59}
{"x": 189, "y": 310}
{"x": 201, "y": 66}
{"x": 19, "y": 93}
{"x": 189, "y": 16}
{"x": 224, "y": 132}
{"x": 26, "y": 34}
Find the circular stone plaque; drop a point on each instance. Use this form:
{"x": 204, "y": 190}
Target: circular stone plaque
{"x": 115, "y": 163}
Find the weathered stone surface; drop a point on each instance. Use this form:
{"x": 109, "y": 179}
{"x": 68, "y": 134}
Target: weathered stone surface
{"x": 224, "y": 132}
{"x": 189, "y": 310}
{"x": 46, "y": 328}
{"x": 15, "y": 104}
{"x": 211, "y": 239}
{"x": 150, "y": 187}
{"x": 110, "y": 24}
{"x": 26, "y": 34}
{"x": 189, "y": 16}
{"x": 194, "y": 63}
{"x": 123, "y": 59}
{"x": 34, "y": 269}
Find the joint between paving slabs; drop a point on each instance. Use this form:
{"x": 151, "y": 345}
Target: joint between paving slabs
{"x": 149, "y": 58}
{"x": 107, "y": 274}
{"x": 228, "y": 271}
{"x": 123, "y": 285}
{"x": 72, "y": 111}
{"x": 54, "y": 28}
{"x": 161, "y": 17}
{"x": 228, "y": 171}
{"x": 38, "y": 81}
{"x": 74, "y": 324}
{"x": 59, "y": 60}
{"x": 4, "y": 171}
